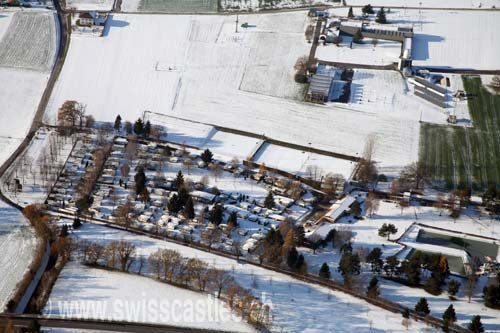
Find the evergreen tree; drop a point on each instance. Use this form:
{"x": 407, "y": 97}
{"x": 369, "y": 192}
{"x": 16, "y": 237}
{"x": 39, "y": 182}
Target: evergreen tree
{"x": 77, "y": 223}
{"x": 350, "y": 14}
{"x": 449, "y": 316}
{"x": 386, "y": 230}
{"x": 216, "y": 214}
{"x": 269, "y": 201}
{"x": 292, "y": 257}
{"x": 179, "y": 180}
{"x": 139, "y": 127}
{"x": 118, "y": 123}
{"x": 147, "y": 129}
{"x": 368, "y": 9}
{"x": 324, "y": 271}
{"x": 391, "y": 265}
{"x": 381, "y": 18}
{"x": 406, "y": 313}
{"x": 207, "y": 156}
{"x": 453, "y": 287}
{"x": 140, "y": 181}
{"x": 492, "y": 296}
{"x": 301, "y": 265}
{"x": 189, "y": 208}
{"x": 64, "y": 231}
{"x": 356, "y": 208}
{"x": 374, "y": 258}
{"x": 233, "y": 219}
{"x": 183, "y": 195}
{"x": 412, "y": 270}
{"x": 173, "y": 205}
{"x": 433, "y": 285}
{"x": 358, "y": 37}
{"x": 299, "y": 235}
{"x": 422, "y": 307}
{"x": 475, "y": 325}
{"x": 349, "y": 265}
{"x": 373, "y": 288}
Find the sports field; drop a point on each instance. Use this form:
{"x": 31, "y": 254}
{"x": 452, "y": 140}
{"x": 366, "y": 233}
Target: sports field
{"x": 466, "y": 157}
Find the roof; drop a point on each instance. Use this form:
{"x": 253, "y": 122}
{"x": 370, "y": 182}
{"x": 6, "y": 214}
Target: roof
{"x": 339, "y": 207}
{"x": 203, "y": 195}
{"x": 320, "y": 84}
{"x": 85, "y": 15}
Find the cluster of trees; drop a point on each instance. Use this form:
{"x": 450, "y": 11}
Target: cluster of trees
{"x": 71, "y": 117}
{"x": 279, "y": 247}
{"x": 449, "y": 316}
{"x": 86, "y": 184}
{"x": 491, "y": 294}
{"x": 169, "y": 266}
{"x": 115, "y": 255}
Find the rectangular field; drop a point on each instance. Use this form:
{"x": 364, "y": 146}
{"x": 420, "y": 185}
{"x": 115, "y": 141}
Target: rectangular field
{"x": 235, "y": 80}
{"x": 104, "y": 5}
{"x": 178, "y": 6}
{"x": 29, "y": 41}
{"x": 466, "y": 157}
{"x": 303, "y": 163}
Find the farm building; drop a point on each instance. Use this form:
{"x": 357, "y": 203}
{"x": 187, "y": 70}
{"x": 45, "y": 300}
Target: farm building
{"x": 338, "y": 209}
{"x": 432, "y": 93}
{"x": 92, "y": 18}
{"x": 319, "y": 88}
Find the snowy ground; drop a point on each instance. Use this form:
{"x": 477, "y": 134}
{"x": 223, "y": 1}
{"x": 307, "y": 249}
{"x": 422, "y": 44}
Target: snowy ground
{"x": 101, "y": 5}
{"x": 220, "y": 77}
{"x": 303, "y": 163}
{"x": 224, "y": 145}
{"x": 81, "y": 288}
{"x": 251, "y": 5}
{"x": 294, "y": 303}
{"x": 17, "y": 245}
{"x": 442, "y": 40}
{"x": 384, "y": 53}
{"x": 429, "y": 3}
{"x": 27, "y": 42}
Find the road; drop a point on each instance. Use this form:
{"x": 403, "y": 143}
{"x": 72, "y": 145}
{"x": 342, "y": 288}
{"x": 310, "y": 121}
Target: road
{"x": 89, "y": 324}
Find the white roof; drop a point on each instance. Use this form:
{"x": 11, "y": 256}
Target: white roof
{"x": 339, "y": 207}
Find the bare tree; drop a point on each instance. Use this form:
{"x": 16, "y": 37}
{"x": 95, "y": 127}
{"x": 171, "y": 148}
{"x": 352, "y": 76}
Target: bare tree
{"x": 332, "y": 183}
{"x": 372, "y": 203}
{"x": 188, "y": 164}
{"x": 415, "y": 175}
{"x": 366, "y": 169}
{"x": 220, "y": 279}
{"x": 126, "y": 255}
{"x": 215, "y": 170}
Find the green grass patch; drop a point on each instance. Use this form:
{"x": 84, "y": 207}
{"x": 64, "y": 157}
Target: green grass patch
{"x": 466, "y": 157}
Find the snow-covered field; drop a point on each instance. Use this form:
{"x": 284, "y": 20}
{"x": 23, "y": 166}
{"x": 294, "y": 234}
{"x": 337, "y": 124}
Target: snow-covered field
{"x": 384, "y": 53}
{"x": 303, "y": 163}
{"x": 102, "y": 5}
{"x": 135, "y": 298}
{"x": 30, "y": 41}
{"x": 441, "y": 39}
{"x": 27, "y": 51}
{"x": 17, "y": 245}
{"x": 295, "y": 304}
{"x": 204, "y": 76}
{"x": 170, "y": 6}
{"x": 224, "y": 145}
